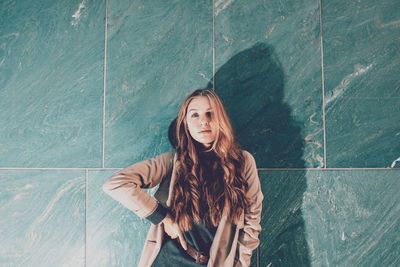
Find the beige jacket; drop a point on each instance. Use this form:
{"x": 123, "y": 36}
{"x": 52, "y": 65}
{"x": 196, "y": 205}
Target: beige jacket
{"x": 232, "y": 245}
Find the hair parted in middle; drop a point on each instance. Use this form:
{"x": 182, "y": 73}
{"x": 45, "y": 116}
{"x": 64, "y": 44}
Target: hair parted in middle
{"x": 224, "y": 187}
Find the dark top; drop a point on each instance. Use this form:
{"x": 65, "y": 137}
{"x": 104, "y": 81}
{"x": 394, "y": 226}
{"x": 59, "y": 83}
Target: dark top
{"x": 172, "y": 254}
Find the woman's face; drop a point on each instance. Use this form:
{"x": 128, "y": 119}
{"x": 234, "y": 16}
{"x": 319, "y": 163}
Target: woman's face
{"x": 199, "y": 120}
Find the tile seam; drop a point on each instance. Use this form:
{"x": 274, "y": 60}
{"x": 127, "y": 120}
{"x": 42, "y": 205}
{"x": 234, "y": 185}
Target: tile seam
{"x": 322, "y": 78}
{"x": 56, "y": 169}
{"x": 86, "y": 208}
{"x": 104, "y": 88}
{"x": 327, "y": 169}
{"x": 213, "y": 45}
{"x": 260, "y": 169}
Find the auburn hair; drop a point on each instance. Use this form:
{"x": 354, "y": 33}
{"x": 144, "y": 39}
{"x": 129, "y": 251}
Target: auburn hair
{"x": 205, "y": 189}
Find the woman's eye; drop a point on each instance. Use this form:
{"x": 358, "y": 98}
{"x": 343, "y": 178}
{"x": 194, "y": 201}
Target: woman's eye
{"x": 208, "y": 114}
{"x": 195, "y": 115}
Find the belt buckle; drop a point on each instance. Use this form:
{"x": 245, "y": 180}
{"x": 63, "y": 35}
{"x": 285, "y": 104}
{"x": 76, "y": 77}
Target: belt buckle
{"x": 198, "y": 255}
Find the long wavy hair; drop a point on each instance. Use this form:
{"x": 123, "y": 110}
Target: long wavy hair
{"x": 207, "y": 187}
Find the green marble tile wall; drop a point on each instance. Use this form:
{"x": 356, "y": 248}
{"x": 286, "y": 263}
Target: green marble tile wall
{"x": 88, "y": 87}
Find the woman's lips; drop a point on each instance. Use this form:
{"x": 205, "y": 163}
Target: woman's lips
{"x": 205, "y": 131}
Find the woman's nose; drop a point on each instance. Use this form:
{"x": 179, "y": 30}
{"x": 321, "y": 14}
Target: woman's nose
{"x": 204, "y": 121}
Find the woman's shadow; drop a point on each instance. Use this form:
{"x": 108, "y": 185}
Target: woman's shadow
{"x": 251, "y": 86}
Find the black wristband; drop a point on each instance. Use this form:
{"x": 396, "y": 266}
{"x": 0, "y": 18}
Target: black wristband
{"x": 158, "y": 215}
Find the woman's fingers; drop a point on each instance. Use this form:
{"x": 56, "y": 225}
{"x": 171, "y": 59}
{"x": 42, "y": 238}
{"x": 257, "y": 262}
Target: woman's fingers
{"x": 177, "y": 233}
{"x": 182, "y": 240}
{"x": 168, "y": 226}
{"x": 171, "y": 234}
{"x": 172, "y": 229}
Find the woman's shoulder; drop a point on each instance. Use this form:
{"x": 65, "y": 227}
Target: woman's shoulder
{"x": 167, "y": 156}
{"x": 247, "y": 156}
{"x": 163, "y": 160}
{"x": 249, "y": 163}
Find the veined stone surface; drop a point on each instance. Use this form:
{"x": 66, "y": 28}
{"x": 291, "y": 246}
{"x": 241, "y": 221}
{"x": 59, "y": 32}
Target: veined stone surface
{"x": 42, "y": 218}
{"x": 362, "y": 86}
{"x": 158, "y": 52}
{"x": 330, "y": 218}
{"x": 115, "y": 235}
{"x": 268, "y": 73}
{"x": 51, "y": 83}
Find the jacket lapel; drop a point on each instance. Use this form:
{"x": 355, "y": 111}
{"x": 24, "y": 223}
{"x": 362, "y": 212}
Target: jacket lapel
{"x": 173, "y": 179}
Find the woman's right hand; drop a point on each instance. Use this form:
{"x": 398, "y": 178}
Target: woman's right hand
{"x": 172, "y": 229}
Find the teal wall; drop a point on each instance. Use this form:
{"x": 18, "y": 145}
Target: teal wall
{"x": 88, "y": 87}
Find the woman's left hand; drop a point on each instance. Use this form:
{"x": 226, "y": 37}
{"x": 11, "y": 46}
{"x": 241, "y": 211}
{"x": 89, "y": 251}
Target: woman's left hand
{"x": 173, "y": 230}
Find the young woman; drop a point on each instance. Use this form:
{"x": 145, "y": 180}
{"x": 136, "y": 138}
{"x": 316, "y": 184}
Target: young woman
{"x": 207, "y": 208}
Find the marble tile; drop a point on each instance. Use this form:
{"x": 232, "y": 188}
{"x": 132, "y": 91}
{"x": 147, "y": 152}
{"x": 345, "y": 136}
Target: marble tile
{"x": 362, "y": 88}
{"x": 283, "y": 237}
{"x": 51, "y": 64}
{"x": 268, "y": 74}
{"x": 157, "y": 53}
{"x": 115, "y": 235}
{"x": 330, "y": 218}
{"x": 42, "y": 218}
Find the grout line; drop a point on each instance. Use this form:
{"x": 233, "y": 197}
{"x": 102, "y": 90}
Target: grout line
{"x": 55, "y": 169}
{"x": 86, "y": 208}
{"x": 213, "y": 45}
{"x": 323, "y": 78}
{"x": 326, "y": 169}
{"x": 104, "y": 87}
{"x": 259, "y": 169}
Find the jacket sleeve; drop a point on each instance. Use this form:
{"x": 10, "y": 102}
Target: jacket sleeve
{"x": 248, "y": 236}
{"x": 127, "y": 185}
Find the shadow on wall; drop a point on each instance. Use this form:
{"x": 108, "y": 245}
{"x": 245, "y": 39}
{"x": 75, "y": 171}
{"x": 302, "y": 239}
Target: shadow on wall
{"x": 251, "y": 86}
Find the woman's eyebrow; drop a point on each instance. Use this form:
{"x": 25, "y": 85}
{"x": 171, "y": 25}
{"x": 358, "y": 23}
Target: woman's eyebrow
{"x": 195, "y": 109}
